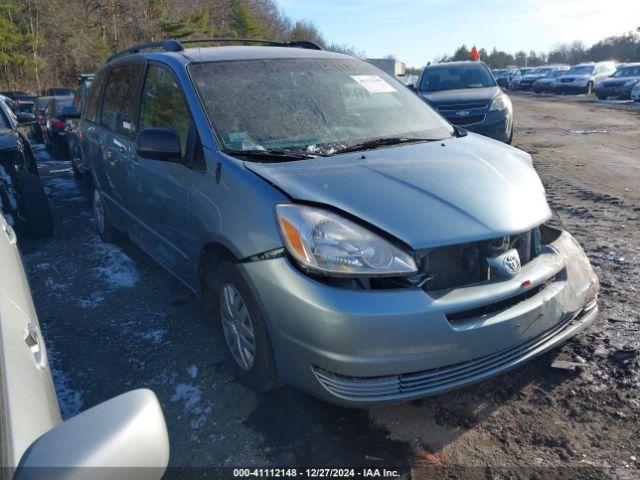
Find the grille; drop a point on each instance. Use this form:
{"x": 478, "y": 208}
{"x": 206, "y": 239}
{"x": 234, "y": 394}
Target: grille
{"x": 436, "y": 380}
{"x": 468, "y": 120}
{"x": 464, "y": 264}
{"x": 462, "y": 106}
{"x": 566, "y": 80}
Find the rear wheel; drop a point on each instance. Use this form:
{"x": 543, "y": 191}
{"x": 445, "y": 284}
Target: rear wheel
{"x": 244, "y": 330}
{"x": 34, "y": 206}
{"x": 108, "y": 233}
{"x": 601, "y": 97}
{"x": 76, "y": 159}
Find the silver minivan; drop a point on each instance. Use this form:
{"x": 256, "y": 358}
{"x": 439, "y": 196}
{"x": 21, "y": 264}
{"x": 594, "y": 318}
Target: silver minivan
{"x": 349, "y": 240}
{"x": 123, "y": 438}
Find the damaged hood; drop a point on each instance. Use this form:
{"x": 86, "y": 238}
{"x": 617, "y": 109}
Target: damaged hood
{"x": 428, "y": 194}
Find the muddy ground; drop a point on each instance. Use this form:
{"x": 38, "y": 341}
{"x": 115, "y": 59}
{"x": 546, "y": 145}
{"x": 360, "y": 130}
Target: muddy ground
{"x": 114, "y": 321}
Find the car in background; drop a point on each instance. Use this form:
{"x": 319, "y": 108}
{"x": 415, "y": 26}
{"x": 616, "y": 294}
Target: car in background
{"x": 546, "y": 84}
{"x": 126, "y": 436}
{"x": 54, "y": 132}
{"x": 635, "y": 93}
{"x": 19, "y": 97}
{"x": 516, "y": 77}
{"x": 58, "y": 92}
{"x": 583, "y": 78}
{"x": 620, "y": 83}
{"x": 467, "y": 95}
{"x": 527, "y": 81}
{"x": 22, "y": 198}
{"x": 75, "y": 135}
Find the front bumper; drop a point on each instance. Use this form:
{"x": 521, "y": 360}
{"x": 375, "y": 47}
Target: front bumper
{"x": 364, "y": 347}
{"x": 615, "y": 92}
{"x": 496, "y": 125}
{"x": 570, "y": 88}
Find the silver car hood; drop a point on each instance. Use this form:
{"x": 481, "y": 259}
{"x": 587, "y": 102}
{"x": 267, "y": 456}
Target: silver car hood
{"x": 427, "y": 195}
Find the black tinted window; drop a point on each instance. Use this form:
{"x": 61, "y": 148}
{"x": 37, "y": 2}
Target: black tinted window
{"x": 163, "y": 105}
{"x": 94, "y": 96}
{"x": 456, "y": 77}
{"x": 120, "y": 99}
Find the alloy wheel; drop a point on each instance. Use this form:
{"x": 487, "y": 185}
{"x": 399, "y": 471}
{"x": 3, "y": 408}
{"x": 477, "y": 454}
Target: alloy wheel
{"x": 237, "y": 326}
{"x": 98, "y": 211}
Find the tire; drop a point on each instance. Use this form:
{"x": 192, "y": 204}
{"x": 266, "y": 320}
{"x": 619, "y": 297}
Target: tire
{"x": 38, "y": 222}
{"x": 108, "y": 233}
{"x": 601, "y": 97}
{"x": 229, "y": 286}
{"x": 76, "y": 158}
{"x": 510, "y": 139}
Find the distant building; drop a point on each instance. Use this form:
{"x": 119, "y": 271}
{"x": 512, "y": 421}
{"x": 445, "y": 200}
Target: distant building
{"x": 389, "y": 65}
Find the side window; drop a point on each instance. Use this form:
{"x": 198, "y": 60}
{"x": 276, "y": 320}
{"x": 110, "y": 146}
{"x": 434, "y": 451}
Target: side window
{"x": 120, "y": 99}
{"x": 164, "y": 106}
{"x": 94, "y": 96}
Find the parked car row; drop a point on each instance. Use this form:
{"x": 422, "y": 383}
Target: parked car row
{"x": 605, "y": 79}
{"x": 22, "y": 199}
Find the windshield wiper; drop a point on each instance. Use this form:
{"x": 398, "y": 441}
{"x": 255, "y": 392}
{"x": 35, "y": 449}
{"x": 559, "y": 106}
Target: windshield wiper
{"x": 382, "y": 142}
{"x": 276, "y": 155}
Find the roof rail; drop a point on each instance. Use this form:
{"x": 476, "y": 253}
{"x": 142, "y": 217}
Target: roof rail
{"x": 294, "y": 44}
{"x": 164, "y": 45}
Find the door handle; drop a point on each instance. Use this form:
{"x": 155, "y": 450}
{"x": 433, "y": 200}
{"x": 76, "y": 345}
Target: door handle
{"x": 120, "y": 146}
{"x": 32, "y": 339}
{"x": 10, "y": 233}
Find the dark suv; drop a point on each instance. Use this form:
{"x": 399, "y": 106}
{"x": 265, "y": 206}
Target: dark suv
{"x": 467, "y": 95}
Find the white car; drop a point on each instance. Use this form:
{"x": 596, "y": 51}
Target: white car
{"x": 128, "y": 431}
{"x": 584, "y": 77}
{"x": 635, "y": 93}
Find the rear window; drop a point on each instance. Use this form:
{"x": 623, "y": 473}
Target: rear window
{"x": 440, "y": 78}
{"x": 120, "y": 99}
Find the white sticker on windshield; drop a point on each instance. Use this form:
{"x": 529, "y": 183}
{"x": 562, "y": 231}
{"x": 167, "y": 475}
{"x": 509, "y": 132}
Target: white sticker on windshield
{"x": 373, "y": 83}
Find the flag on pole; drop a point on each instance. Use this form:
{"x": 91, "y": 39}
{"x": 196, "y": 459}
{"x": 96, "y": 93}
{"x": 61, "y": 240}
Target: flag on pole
{"x": 474, "y": 54}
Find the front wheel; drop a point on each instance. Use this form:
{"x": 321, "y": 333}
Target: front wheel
{"x": 38, "y": 221}
{"x": 108, "y": 233}
{"x": 589, "y": 88}
{"x": 244, "y": 330}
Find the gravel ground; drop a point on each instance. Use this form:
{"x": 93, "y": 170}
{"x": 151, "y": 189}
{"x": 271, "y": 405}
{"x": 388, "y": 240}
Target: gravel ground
{"x": 114, "y": 321}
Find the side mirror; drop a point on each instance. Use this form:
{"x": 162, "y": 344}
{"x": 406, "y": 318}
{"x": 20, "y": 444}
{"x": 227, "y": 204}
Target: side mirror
{"x": 127, "y": 432}
{"x": 412, "y": 87}
{"x": 25, "y": 118}
{"x": 159, "y": 144}
{"x": 70, "y": 112}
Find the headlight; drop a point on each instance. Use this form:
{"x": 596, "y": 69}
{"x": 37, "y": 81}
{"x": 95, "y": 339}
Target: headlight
{"x": 324, "y": 242}
{"x": 628, "y": 83}
{"x": 636, "y": 88}
{"x": 501, "y": 102}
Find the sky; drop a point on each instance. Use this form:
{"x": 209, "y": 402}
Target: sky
{"x": 417, "y": 31}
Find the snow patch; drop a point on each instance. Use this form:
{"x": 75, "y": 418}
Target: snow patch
{"x": 192, "y": 370}
{"x": 117, "y": 269}
{"x": 156, "y": 336}
{"x": 93, "y": 301}
{"x": 70, "y": 400}
{"x": 192, "y": 405}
